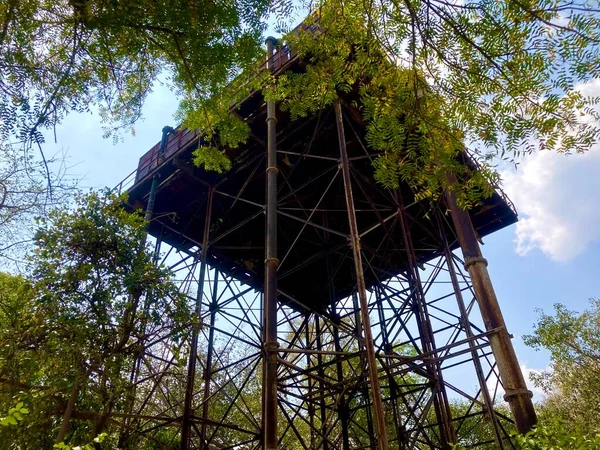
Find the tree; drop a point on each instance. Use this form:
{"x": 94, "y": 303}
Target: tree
{"x": 21, "y": 370}
{"x": 556, "y": 434}
{"x": 432, "y": 77}
{"x": 550, "y": 434}
{"x": 27, "y": 191}
{"x": 69, "y": 55}
{"x": 501, "y": 77}
{"x": 71, "y": 334}
{"x": 573, "y": 381}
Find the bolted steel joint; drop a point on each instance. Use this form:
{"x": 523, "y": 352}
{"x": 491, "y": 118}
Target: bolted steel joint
{"x": 270, "y": 349}
{"x": 510, "y": 393}
{"x": 271, "y": 346}
{"x": 472, "y": 260}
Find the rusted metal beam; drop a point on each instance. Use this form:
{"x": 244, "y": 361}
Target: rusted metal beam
{"x": 382, "y": 442}
{"x": 209, "y": 358}
{"x": 518, "y": 396}
{"x": 466, "y": 324}
{"x": 270, "y": 344}
{"x": 186, "y": 424}
{"x": 440, "y": 401}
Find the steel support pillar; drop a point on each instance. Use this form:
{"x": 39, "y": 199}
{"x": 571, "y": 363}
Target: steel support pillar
{"x": 342, "y": 407}
{"x": 209, "y": 366}
{"x": 440, "y": 397}
{"x": 186, "y": 424}
{"x": 382, "y": 442}
{"x": 155, "y": 179}
{"x": 311, "y": 383}
{"x": 133, "y": 377}
{"x": 517, "y": 395}
{"x": 321, "y": 373}
{"x": 364, "y": 367}
{"x": 466, "y": 325}
{"x": 270, "y": 344}
{"x": 388, "y": 348}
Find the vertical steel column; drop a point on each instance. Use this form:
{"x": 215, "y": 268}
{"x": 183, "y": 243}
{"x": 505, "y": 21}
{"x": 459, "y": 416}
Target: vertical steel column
{"x": 364, "y": 390}
{"x": 271, "y": 264}
{"x": 466, "y": 324}
{"x": 133, "y": 377}
{"x": 321, "y": 372}
{"x": 310, "y": 408}
{"x": 388, "y": 348}
{"x": 382, "y": 442}
{"x": 440, "y": 397}
{"x": 342, "y": 407}
{"x": 154, "y": 187}
{"x": 517, "y": 395}
{"x": 189, "y": 390}
{"x": 209, "y": 358}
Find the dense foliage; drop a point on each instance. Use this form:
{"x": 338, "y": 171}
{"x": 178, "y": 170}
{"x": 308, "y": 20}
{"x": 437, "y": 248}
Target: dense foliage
{"x": 572, "y": 383}
{"x": 431, "y": 77}
{"x": 67, "y": 55}
{"x": 71, "y": 332}
{"x": 502, "y": 78}
{"x": 555, "y": 434}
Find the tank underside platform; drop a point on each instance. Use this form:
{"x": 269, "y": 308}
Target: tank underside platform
{"x": 312, "y": 217}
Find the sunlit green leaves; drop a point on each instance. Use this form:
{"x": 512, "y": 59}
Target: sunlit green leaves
{"x": 97, "y": 440}
{"x": 94, "y": 302}
{"x": 63, "y": 56}
{"x": 211, "y": 159}
{"x": 551, "y": 434}
{"x": 573, "y": 340}
{"x": 555, "y": 435}
{"x": 14, "y": 416}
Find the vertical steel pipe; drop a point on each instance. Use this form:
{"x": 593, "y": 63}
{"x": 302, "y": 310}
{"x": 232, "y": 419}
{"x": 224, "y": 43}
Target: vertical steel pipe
{"x": 209, "y": 357}
{"x": 466, "y": 324}
{"x": 382, "y": 442}
{"x": 133, "y": 377}
{"x": 186, "y": 425}
{"x": 440, "y": 397}
{"x": 364, "y": 367}
{"x": 388, "y": 348}
{"x": 321, "y": 372}
{"x": 155, "y": 178}
{"x": 270, "y": 344}
{"x": 342, "y": 407}
{"x": 517, "y": 395}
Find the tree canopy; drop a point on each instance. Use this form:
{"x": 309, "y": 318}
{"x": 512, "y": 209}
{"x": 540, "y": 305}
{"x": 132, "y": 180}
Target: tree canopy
{"x": 434, "y": 77}
{"x": 68, "y": 55}
{"x": 572, "y": 382}
{"x": 502, "y": 77}
{"x": 94, "y": 300}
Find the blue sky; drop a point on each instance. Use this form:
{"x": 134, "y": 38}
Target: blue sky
{"x": 550, "y": 256}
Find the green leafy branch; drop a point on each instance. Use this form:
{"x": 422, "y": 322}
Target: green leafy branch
{"x": 15, "y": 415}
{"x": 97, "y": 440}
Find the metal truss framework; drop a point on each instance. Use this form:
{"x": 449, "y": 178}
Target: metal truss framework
{"x": 426, "y": 331}
{"x": 382, "y": 368}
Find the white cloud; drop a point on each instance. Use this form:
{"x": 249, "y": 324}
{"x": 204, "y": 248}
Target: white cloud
{"x": 557, "y": 199}
{"x": 557, "y": 196}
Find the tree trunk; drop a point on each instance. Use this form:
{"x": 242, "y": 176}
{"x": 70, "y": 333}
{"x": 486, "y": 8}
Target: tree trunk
{"x": 64, "y": 427}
